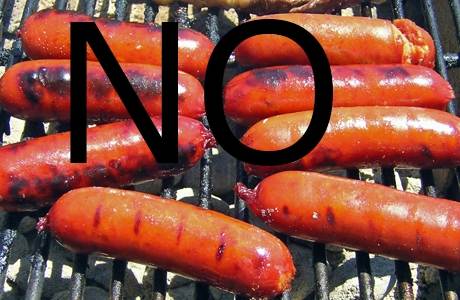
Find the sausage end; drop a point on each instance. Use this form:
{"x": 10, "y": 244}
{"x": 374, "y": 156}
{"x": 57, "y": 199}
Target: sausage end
{"x": 418, "y": 47}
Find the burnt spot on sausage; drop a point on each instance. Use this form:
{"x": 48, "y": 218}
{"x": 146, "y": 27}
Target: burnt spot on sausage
{"x": 221, "y": 247}
{"x": 180, "y": 230}
{"x": 419, "y": 243}
{"x": 115, "y": 164}
{"x": 17, "y": 184}
{"x": 56, "y": 80}
{"x": 324, "y": 157}
{"x": 97, "y": 216}
{"x": 301, "y": 71}
{"x": 96, "y": 173}
{"x": 426, "y": 152}
{"x": 99, "y": 85}
{"x": 272, "y": 77}
{"x": 185, "y": 155}
{"x": 144, "y": 84}
{"x": 392, "y": 72}
{"x": 137, "y": 222}
{"x": 285, "y": 210}
{"x": 330, "y": 217}
{"x": 31, "y": 92}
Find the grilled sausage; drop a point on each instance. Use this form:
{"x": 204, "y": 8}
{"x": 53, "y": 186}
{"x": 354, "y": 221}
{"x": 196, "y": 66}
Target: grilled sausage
{"x": 363, "y": 137}
{"x": 36, "y": 172}
{"x": 346, "y": 40}
{"x": 40, "y": 90}
{"x": 359, "y": 215}
{"x": 46, "y": 34}
{"x": 273, "y": 6}
{"x": 175, "y": 236}
{"x": 260, "y": 93}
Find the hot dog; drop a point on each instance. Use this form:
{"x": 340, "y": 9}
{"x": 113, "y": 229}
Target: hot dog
{"x": 273, "y": 6}
{"x": 363, "y": 137}
{"x": 46, "y": 34}
{"x": 260, "y": 93}
{"x": 346, "y": 40}
{"x": 40, "y": 90}
{"x": 36, "y": 172}
{"x": 175, "y": 236}
{"x": 359, "y": 215}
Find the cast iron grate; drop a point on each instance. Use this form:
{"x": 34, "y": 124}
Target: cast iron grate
{"x": 178, "y": 13}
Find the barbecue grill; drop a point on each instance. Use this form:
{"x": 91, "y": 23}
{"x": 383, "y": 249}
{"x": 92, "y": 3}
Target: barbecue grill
{"x": 422, "y": 12}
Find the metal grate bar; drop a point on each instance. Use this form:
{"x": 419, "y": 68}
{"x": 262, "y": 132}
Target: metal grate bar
{"x": 202, "y": 289}
{"x": 160, "y": 276}
{"x": 320, "y": 270}
{"x": 179, "y": 13}
{"x": 78, "y": 280}
{"x": 37, "y": 273}
{"x": 7, "y": 237}
{"x": 151, "y": 9}
{"x": 402, "y": 270}
{"x": 363, "y": 264}
{"x": 455, "y": 6}
{"x": 118, "y": 278}
{"x": 7, "y": 11}
{"x": 60, "y": 4}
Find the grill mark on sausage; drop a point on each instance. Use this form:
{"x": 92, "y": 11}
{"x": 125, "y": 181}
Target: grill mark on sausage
{"x": 426, "y": 152}
{"x": 32, "y": 94}
{"x": 393, "y": 72}
{"x": 137, "y": 222}
{"x": 272, "y": 77}
{"x": 180, "y": 230}
{"x": 221, "y": 247}
{"x": 285, "y": 210}
{"x": 330, "y": 216}
{"x": 97, "y": 216}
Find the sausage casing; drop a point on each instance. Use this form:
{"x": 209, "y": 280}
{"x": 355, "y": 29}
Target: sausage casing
{"x": 260, "y": 93}
{"x": 46, "y": 34}
{"x": 363, "y": 137}
{"x": 346, "y": 40}
{"x": 40, "y": 90}
{"x": 36, "y": 172}
{"x": 359, "y": 215}
{"x": 175, "y": 236}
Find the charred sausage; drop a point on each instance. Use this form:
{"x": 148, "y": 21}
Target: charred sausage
{"x": 363, "y": 137}
{"x": 175, "y": 236}
{"x": 40, "y": 90}
{"x": 36, "y": 172}
{"x": 260, "y": 93}
{"x": 359, "y": 215}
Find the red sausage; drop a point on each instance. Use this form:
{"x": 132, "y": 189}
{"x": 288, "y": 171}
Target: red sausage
{"x": 40, "y": 90}
{"x": 175, "y": 236}
{"x": 346, "y": 40}
{"x": 363, "y": 137}
{"x": 46, "y": 34}
{"x": 260, "y": 93}
{"x": 36, "y": 172}
{"x": 359, "y": 215}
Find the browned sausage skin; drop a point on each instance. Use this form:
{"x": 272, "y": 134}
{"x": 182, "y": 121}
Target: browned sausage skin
{"x": 265, "y": 92}
{"x": 359, "y": 215}
{"x": 346, "y": 40}
{"x": 175, "y": 236}
{"x": 363, "y": 137}
{"x": 39, "y": 90}
{"x": 46, "y": 34}
{"x": 36, "y": 172}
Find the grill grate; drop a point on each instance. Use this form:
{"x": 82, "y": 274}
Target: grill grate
{"x": 444, "y": 61}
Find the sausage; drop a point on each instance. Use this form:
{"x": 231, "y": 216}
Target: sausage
{"x": 175, "y": 236}
{"x": 36, "y": 172}
{"x": 46, "y": 34}
{"x": 363, "y": 137}
{"x": 359, "y": 215}
{"x": 40, "y": 90}
{"x": 346, "y": 40}
{"x": 260, "y": 93}
{"x": 273, "y": 6}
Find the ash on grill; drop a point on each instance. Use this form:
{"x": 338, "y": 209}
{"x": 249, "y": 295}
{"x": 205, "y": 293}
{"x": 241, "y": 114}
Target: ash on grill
{"x": 35, "y": 267}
